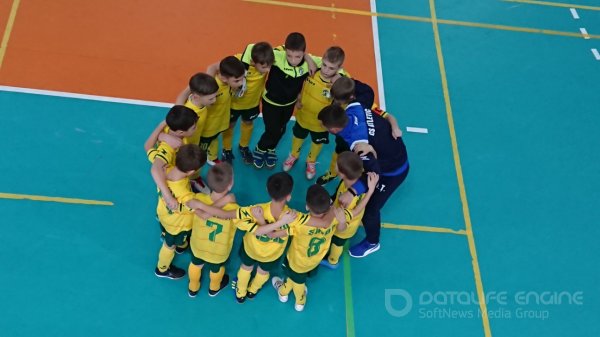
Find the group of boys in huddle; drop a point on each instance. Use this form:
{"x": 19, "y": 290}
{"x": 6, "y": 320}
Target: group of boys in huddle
{"x": 201, "y": 214}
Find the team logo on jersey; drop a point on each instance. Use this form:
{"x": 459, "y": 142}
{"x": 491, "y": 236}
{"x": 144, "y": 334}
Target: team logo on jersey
{"x": 300, "y": 71}
{"x": 326, "y": 93}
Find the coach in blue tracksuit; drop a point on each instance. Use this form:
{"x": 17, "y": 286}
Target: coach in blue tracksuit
{"x": 391, "y": 163}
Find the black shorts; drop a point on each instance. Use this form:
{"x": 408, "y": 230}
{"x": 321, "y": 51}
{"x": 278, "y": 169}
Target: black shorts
{"x": 213, "y": 267}
{"x": 317, "y": 137}
{"x": 248, "y": 261}
{"x": 299, "y": 278}
{"x": 248, "y": 115}
{"x": 178, "y": 239}
{"x": 205, "y": 141}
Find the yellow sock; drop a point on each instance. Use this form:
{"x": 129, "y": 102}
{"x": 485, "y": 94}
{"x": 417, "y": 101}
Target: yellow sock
{"x": 334, "y": 254}
{"x": 333, "y": 165}
{"x": 296, "y": 145}
{"x": 216, "y": 278}
{"x": 213, "y": 149}
{"x": 287, "y": 287}
{"x": 242, "y": 282}
{"x": 228, "y": 139}
{"x": 165, "y": 257}
{"x": 315, "y": 149}
{"x": 194, "y": 273}
{"x": 300, "y": 293}
{"x": 246, "y": 133}
{"x": 258, "y": 282}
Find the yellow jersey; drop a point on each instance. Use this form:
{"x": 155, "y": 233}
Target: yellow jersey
{"x": 255, "y": 83}
{"x": 212, "y": 238}
{"x": 202, "y": 114}
{"x": 163, "y": 151}
{"x": 261, "y": 247}
{"x": 352, "y": 225}
{"x": 310, "y": 244}
{"x": 180, "y": 220}
{"x": 218, "y": 113}
{"x": 315, "y": 96}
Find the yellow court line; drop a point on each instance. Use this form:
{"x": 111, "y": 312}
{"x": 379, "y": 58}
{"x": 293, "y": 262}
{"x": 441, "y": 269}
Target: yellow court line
{"x": 8, "y": 29}
{"x": 424, "y": 229}
{"x": 55, "y": 199}
{"x": 459, "y": 174}
{"x": 555, "y": 4}
{"x": 423, "y": 19}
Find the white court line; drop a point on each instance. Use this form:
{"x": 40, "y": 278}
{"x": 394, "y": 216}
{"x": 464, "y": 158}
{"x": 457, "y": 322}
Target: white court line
{"x": 416, "y": 130}
{"x": 574, "y": 13}
{"x": 377, "y": 51}
{"x": 83, "y": 96}
{"x": 584, "y": 33}
{"x": 596, "y": 54}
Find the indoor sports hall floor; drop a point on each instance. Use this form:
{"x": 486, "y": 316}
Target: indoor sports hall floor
{"x": 499, "y": 213}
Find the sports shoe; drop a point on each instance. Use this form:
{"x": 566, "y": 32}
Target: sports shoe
{"x": 198, "y": 186}
{"x": 213, "y": 162}
{"x": 227, "y": 155}
{"x": 224, "y": 283}
{"x": 259, "y": 157}
{"x": 251, "y": 295}
{"x": 240, "y": 300}
{"x": 277, "y": 283}
{"x": 327, "y": 177}
{"x": 325, "y": 263}
{"x": 271, "y": 158}
{"x": 172, "y": 273}
{"x": 181, "y": 250}
{"x": 300, "y": 307}
{"x": 192, "y": 294}
{"x": 363, "y": 248}
{"x": 246, "y": 155}
{"x": 311, "y": 170}
{"x": 289, "y": 162}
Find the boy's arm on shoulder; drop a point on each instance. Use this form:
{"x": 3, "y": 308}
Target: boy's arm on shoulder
{"x": 160, "y": 179}
{"x": 213, "y": 69}
{"x": 213, "y": 211}
{"x": 183, "y": 96}
{"x": 153, "y": 138}
{"x": 229, "y": 198}
{"x": 278, "y": 234}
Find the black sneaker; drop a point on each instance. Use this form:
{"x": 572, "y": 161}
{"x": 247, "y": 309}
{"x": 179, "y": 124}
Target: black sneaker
{"x": 227, "y": 155}
{"x": 192, "y": 294}
{"x": 327, "y": 177}
{"x": 234, "y": 286}
{"x": 246, "y": 155}
{"x": 251, "y": 295}
{"x": 271, "y": 158}
{"x": 224, "y": 283}
{"x": 173, "y": 273}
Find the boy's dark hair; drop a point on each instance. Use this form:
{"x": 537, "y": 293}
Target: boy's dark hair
{"x": 190, "y": 158}
{"x": 280, "y": 185}
{"x": 333, "y": 116}
{"x": 342, "y": 90}
{"x": 219, "y": 177}
{"x": 203, "y": 84}
{"x": 350, "y": 164}
{"x": 262, "y": 53}
{"x": 335, "y": 55}
{"x": 231, "y": 67}
{"x": 181, "y": 118}
{"x": 295, "y": 41}
{"x": 317, "y": 199}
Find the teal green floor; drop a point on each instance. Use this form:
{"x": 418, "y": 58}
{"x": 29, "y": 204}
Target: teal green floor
{"x": 525, "y": 108}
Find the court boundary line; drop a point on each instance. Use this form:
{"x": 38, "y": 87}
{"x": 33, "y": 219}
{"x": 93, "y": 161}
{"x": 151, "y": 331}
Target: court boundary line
{"x": 459, "y": 174}
{"x": 61, "y": 200}
{"x": 539, "y": 31}
{"x": 554, "y": 4}
{"x": 350, "y": 329}
{"x": 377, "y": 51}
{"x": 8, "y": 29}
{"x": 427, "y": 229}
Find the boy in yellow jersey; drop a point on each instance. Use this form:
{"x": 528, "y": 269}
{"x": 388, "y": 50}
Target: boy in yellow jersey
{"x": 350, "y": 169}
{"x": 212, "y": 238}
{"x": 309, "y": 244}
{"x": 180, "y": 123}
{"x": 178, "y": 223}
{"x": 230, "y": 78}
{"x": 292, "y": 66}
{"x": 257, "y": 59}
{"x": 314, "y": 97}
{"x": 261, "y": 245}
{"x": 350, "y": 92}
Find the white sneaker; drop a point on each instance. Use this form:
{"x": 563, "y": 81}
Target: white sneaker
{"x": 311, "y": 170}
{"x": 277, "y": 282}
{"x": 289, "y": 162}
